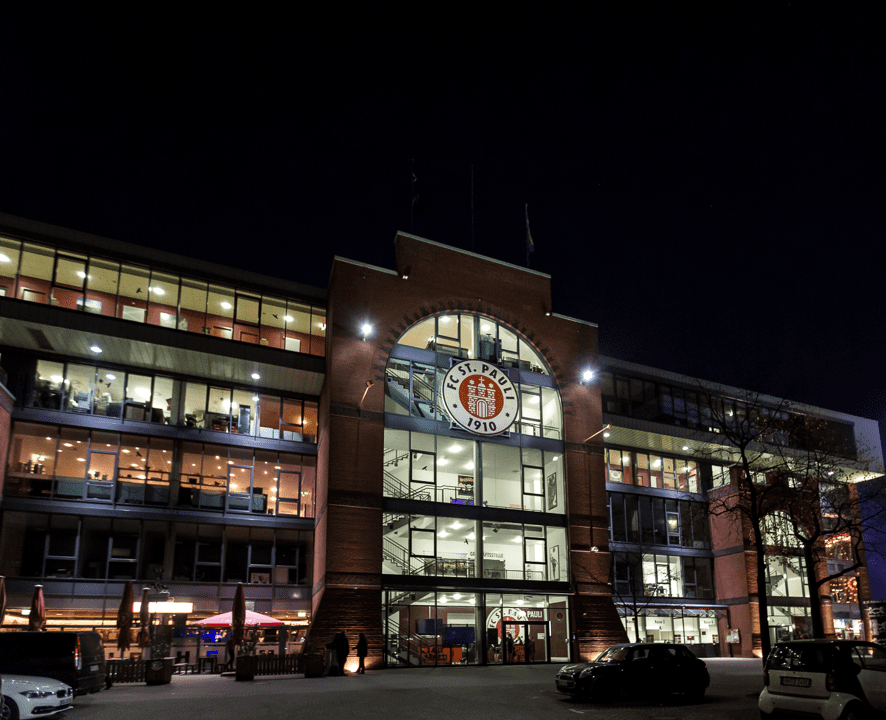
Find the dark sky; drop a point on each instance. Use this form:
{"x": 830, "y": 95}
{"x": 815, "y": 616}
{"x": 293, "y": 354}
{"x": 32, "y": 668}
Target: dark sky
{"x": 709, "y": 188}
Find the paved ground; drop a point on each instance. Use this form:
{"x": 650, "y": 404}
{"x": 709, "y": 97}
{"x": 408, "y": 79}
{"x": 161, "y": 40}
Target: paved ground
{"x": 481, "y": 693}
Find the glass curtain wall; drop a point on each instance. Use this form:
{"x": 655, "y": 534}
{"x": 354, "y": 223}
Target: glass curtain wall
{"x": 42, "y": 545}
{"x": 425, "y": 628}
{"x": 84, "y": 283}
{"x": 53, "y": 462}
{"x": 443, "y": 473}
{"x": 97, "y": 390}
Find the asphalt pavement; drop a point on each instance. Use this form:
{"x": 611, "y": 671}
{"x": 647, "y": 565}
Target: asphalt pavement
{"x": 459, "y": 693}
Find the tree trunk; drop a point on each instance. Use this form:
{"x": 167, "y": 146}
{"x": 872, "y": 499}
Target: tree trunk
{"x": 814, "y": 594}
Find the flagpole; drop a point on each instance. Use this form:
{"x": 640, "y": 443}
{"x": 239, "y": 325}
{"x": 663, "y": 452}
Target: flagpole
{"x": 412, "y": 200}
{"x": 472, "y": 207}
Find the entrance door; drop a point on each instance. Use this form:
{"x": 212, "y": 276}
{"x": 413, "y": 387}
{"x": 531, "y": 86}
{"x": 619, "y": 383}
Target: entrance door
{"x": 536, "y": 642}
{"x": 529, "y": 642}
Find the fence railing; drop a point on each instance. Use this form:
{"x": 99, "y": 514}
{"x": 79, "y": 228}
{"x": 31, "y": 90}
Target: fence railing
{"x": 270, "y": 664}
{"x": 125, "y": 671}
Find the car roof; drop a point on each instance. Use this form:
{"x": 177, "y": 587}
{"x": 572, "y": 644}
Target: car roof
{"x": 824, "y": 641}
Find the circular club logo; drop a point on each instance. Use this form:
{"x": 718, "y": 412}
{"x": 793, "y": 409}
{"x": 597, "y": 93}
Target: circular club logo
{"x": 480, "y": 398}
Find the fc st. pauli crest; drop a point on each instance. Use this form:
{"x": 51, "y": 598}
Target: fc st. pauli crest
{"x": 480, "y": 398}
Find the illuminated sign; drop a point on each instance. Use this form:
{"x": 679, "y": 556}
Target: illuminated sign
{"x": 480, "y": 398}
{"x": 168, "y": 608}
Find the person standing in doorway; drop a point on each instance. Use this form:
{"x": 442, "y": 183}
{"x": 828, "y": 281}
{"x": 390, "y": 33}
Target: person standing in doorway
{"x": 361, "y": 649}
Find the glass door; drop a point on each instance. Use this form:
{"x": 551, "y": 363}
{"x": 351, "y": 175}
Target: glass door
{"x": 513, "y": 642}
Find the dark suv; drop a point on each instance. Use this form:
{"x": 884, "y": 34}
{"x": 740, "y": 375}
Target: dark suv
{"x": 830, "y": 679}
{"x": 635, "y": 669}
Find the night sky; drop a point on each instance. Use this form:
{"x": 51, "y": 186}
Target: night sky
{"x": 709, "y": 188}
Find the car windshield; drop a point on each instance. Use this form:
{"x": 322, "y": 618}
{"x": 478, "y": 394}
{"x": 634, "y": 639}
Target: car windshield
{"x": 616, "y": 653}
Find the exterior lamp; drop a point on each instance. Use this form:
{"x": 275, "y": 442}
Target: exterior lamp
{"x": 587, "y": 376}
{"x": 365, "y": 330}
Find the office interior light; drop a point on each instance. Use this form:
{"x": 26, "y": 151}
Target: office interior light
{"x": 157, "y": 290}
{"x": 95, "y": 348}
{"x": 287, "y": 318}
{"x": 256, "y": 376}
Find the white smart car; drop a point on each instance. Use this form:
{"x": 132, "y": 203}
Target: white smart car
{"x": 25, "y": 697}
{"x": 827, "y": 679}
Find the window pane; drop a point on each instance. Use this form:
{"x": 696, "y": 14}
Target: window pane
{"x": 109, "y": 392}
{"x": 80, "y": 382}
{"x": 36, "y": 274}
{"x": 161, "y": 402}
{"x": 192, "y": 315}
{"x": 50, "y": 385}
{"x": 318, "y": 331}
{"x": 101, "y": 287}
{"x": 10, "y": 253}
{"x": 134, "y": 284}
{"x": 220, "y": 313}
{"x": 273, "y": 313}
{"x": 195, "y": 405}
{"x": 70, "y": 275}
{"x": 163, "y": 294}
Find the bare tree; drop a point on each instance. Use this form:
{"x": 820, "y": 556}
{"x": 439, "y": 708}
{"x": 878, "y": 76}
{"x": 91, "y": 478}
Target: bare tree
{"x": 784, "y": 464}
{"x": 821, "y": 502}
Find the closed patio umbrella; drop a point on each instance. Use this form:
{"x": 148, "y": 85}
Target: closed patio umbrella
{"x": 37, "y": 618}
{"x": 144, "y": 617}
{"x": 238, "y": 621}
{"x": 2, "y": 598}
{"x": 124, "y": 619}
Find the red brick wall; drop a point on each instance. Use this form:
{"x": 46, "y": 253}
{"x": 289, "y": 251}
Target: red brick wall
{"x": 441, "y": 279}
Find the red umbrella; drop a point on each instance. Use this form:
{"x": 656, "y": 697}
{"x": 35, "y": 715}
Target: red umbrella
{"x": 124, "y": 619}
{"x": 227, "y": 620}
{"x": 37, "y": 618}
{"x": 2, "y": 598}
{"x": 144, "y": 618}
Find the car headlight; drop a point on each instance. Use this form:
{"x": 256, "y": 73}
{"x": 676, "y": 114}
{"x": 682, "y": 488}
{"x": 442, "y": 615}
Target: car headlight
{"x": 587, "y": 672}
{"x": 37, "y": 694}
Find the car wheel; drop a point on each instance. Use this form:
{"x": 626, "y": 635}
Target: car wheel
{"x": 696, "y": 692}
{"x": 854, "y": 712}
{"x": 601, "y": 690}
{"x": 10, "y": 709}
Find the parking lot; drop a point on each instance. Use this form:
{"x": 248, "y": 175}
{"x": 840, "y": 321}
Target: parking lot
{"x": 461, "y": 693}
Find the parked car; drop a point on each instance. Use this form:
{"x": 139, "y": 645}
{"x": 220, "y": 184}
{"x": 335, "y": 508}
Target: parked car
{"x": 25, "y": 696}
{"x": 74, "y": 658}
{"x": 638, "y": 668}
{"x": 830, "y": 679}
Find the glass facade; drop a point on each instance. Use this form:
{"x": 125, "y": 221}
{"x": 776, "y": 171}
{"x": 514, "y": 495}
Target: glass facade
{"x": 441, "y": 488}
{"x": 86, "y": 283}
{"x": 471, "y": 628}
{"x": 649, "y": 521}
{"x": 45, "y": 545}
{"x": 69, "y": 463}
{"x": 115, "y": 393}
